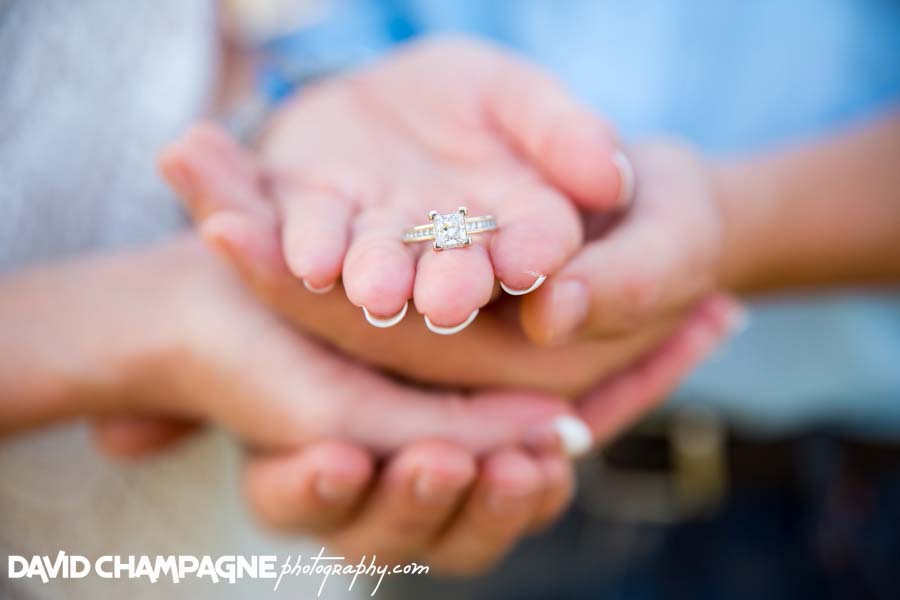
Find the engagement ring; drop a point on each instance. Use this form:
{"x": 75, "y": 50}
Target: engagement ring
{"x": 450, "y": 230}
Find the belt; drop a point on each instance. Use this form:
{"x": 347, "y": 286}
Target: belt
{"x": 682, "y": 466}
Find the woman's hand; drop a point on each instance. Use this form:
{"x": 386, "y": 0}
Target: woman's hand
{"x": 234, "y": 215}
{"x": 352, "y": 161}
{"x": 171, "y": 332}
{"x": 434, "y": 501}
{"x": 152, "y": 345}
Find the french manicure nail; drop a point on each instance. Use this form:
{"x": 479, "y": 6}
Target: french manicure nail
{"x": 450, "y": 330}
{"x": 574, "y": 435}
{"x": 569, "y": 308}
{"x": 387, "y": 321}
{"x": 318, "y": 290}
{"x": 514, "y": 292}
{"x": 566, "y": 433}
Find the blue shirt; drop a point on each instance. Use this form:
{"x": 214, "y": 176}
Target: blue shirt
{"x": 732, "y": 77}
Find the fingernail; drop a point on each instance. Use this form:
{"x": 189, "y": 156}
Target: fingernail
{"x": 319, "y": 290}
{"x": 626, "y": 179}
{"x": 568, "y": 308}
{"x": 334, "y": 490}
{"x": 387, "y": 321}
{"x": 514, "y": 292}
{"x": 565, "y": 433}
{"x": 450, "y": 330}
{"x": 574, "y": 435}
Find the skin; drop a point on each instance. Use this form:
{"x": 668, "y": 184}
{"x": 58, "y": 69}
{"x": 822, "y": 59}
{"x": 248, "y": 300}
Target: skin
{"x": 821, "y": 214}
{"x": 471, "y": 511}
{"x": 73, "y": 350}
{"x": 209, "y": 351}
{"x": 458, "y": 500}
{"x": 220, "y": 184}
{"x": 754, "y": 225}
{"x": 510, "y": 142}
{"x": 216, "y": 180}
{"x": 738, "y": 225}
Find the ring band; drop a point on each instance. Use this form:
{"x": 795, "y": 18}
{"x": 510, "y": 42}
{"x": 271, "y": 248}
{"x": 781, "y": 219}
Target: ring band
{"x": 450, "y": 230}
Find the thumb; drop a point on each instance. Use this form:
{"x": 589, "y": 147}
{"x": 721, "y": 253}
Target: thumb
{"x": 659, "y": 258}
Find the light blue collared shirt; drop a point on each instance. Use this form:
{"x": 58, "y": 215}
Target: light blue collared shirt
{"x": 732, "y": 77}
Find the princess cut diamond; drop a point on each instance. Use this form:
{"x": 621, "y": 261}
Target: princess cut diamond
{"x": 450, "y": 230}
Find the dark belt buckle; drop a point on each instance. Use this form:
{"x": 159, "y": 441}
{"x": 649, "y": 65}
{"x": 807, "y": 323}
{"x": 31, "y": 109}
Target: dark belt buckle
{"x": 691, "y": 480}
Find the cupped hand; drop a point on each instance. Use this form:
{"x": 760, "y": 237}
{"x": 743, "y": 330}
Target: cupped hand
{"x": 250, "y": 238}
{"x": 433, "y": 500}
{"x": 223, "y": 357}
{"x": 354, "y": 160}
{"x": 664, "y": 254}
{"x": 442, "y": 495}
{"x": 219, "y": 182}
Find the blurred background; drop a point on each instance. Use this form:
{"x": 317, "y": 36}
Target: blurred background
{"x": 774, "y": 471}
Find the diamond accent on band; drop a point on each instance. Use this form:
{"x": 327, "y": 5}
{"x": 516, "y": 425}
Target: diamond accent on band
{"x": 474, "y": 226}
{"x": 450, "y": 230}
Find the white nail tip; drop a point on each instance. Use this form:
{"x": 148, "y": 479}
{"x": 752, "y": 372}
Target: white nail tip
{"x": 321, "y": 290}
{"x": 626, "y": 178}
{"x": 450, "y": 330}
{"x": 537, "y": 283}
{"x": 386, "y": 322}
{"x": 574, "y": 435}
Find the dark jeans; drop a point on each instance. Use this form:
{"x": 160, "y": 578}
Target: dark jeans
{"x": 833, "y": 532}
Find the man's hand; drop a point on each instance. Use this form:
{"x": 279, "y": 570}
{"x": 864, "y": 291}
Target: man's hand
{"x": 153, "y": 344}
{"x": 660, "y": 257}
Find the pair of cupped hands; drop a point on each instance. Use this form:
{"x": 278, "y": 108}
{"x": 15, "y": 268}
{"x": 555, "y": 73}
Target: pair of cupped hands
{"x": 396, "y": 440}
